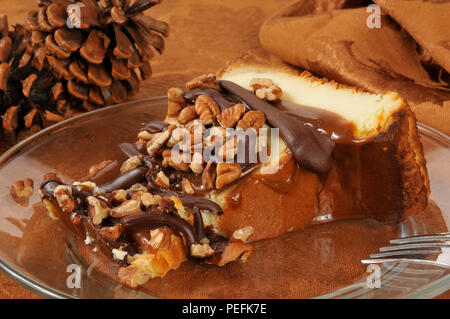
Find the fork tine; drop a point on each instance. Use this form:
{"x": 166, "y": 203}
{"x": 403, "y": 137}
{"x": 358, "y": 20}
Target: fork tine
{"x": 411, "y": 252}
{"x": 387, "y": 260}
{"x": 425, "y": 238}
{"x": 413, "y": 246}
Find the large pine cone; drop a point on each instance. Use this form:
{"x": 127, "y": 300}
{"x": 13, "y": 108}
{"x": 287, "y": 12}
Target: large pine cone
{"x": 49, "y": 71}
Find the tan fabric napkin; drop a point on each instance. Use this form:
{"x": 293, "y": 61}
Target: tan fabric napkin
{"x": 408, "y": 54}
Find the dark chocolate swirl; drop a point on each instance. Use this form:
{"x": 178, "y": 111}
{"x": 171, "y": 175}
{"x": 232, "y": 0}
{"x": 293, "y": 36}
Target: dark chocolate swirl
{"x": 139, "y": 221}
{"x": 310, "y": 148}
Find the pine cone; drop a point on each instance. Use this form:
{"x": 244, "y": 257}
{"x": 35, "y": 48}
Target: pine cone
{"x": 49, "y": 72}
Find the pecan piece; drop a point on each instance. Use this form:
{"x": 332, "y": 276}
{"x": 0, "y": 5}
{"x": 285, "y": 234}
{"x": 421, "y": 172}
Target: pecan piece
{"x": 186, "y": 186}
{"x": 160, "y": 238}
{"x": 111, "y": 233}
{"x": 176, "y": 102}
{"x": 97, "y": 210}
{"x": 177, "y": 160}
{"x": 22, "y": 188}
{"x": 209, "y": 176}
{"x": 156, "y": 144}
{"x": 227, "y": 173}
{"x": 131, "y": 164}
{"x": 201, "y": 250}
{"x": 129, "y": 207}
{"x": 148, "y": 199}
{"x": 206, "y": 108}
{"x": 265, "y": 89}
{"x": 229, "y": 117}
{"x": 63, "y": 195}
{"x": 203, "y": 81}
{"x": 252, "y": 119}
{"x": 242, "y": 234}
{"x": 162, "y": 180}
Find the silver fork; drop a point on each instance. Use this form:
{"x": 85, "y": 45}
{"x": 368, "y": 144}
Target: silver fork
{"x": 428, "y": 249}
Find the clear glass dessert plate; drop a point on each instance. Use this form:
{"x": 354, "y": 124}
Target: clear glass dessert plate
{"x": 320, "y": 261}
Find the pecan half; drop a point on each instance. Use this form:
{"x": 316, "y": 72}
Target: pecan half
{"x": 252, "y": 119}
{"x": 229, "y": 117}
{"x": 176, "y": 102}
{"x": 207, "y": 109}
{"x": 227, "y": 173}
{"x": 187, "y": 114}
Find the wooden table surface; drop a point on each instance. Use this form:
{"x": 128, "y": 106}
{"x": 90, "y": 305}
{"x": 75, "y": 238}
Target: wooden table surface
{"x": 204, "y": 34}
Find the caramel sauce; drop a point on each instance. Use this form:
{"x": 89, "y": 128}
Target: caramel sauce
{"x": 350, "y": 189}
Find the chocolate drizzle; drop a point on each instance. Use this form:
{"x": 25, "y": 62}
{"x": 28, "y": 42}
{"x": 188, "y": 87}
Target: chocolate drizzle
{"x": 126, "y": 180}
{"x": 310, "y": 148}
{"x": 155, "y": 126}
{"x": 139, "y": 221}
{"x": 217, "y": 96}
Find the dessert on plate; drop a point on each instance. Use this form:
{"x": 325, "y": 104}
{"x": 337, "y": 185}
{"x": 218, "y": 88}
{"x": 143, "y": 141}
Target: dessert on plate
{"x": 249, "y": 153}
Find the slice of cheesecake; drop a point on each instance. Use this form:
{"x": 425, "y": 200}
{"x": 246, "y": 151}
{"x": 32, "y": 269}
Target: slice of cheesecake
{"x": 378, "y": 168}
{"x": 338, "y": 153}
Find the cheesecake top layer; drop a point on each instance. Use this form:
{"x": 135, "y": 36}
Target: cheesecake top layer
{"x": 371, "y": 113}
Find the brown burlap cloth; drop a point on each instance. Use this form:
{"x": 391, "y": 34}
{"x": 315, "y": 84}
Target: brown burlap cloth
{"x": 409, "y": 53}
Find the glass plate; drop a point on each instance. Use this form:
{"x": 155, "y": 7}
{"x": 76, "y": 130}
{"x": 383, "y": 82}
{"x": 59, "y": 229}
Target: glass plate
{"x": 321, "y": 261}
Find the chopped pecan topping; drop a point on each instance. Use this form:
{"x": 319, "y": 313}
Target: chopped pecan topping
{"x": 160, "y": 238}
{"x": 265, "y": 89}
{"x": 203, "y": 81}
{"x": 129, "y": 207}
{"x": 242, "y": 234}
{"x": 227, "y": 173}
{"x": 177, "y": 160}
{"x": 131, "y": 164}
{"x": 162, "y": 180}
{"x": 158, "y": 141}
{"x": 111, "y": 233}
{"x": 63, "y": 195}
{"x": 97, "y": 210}
{"x": 119, "y": 196}
{"x": 148, "y": 199}
{"x": 186, "y": 186}
{"x": 197, "y": 163}
{"x": 176, "y": 102}
{"x": 201, "y": 250}
{"x": 22, "y": 188}
{"x": 209, "y": 176}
